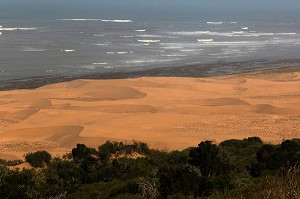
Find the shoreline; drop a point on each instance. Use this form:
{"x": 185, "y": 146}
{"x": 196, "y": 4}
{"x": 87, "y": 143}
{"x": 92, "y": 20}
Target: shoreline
{"x": 196, "y": 71}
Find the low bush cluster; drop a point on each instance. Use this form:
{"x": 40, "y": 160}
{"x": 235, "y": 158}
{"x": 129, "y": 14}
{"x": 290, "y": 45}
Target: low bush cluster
{"x": 233, "y": 169}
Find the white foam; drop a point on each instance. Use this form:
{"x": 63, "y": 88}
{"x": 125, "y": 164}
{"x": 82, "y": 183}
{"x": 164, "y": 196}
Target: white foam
{"x": 191, "y": 50}
{"x": 81, "y": 19}
{"x": 120, "y": 52}
{"x": 233, "y": 22}
{"x": 244, "y": 28}
{"x": 190, "y": 33}
{"x": 103, "y": 20}
{"x": 205, "y": 40}
{"x": 17, "y": 28}
{"x": 101, "y": 44}
{"x": 49, "y": 71}
{"x": 234, "y": 43}
{"x": 99, "y": 35}
{"x": 174, "y": 55}
{"x": 149, "y": 36}
{"x": 231, "y": 51}
{"x": 137, "y": 62}
{"x": 68, "y": 50}
{"x": 0, "y": 33}
{"x": 142, "y": 30}
{"x": 127, "y": 36}
{"x": 238, "y": 32}
{"x": 149, "y": 61}
{"x": 214, "y": 22}
{"x": 148, "y": 40}
{"x": 171, "y": 47}
{"x": 89, "y": 67}
{"x": 286, "y": 33}
{"x": 226, "y": 34}
{"x": 117, "y": 20}
{"x": 99, "y": 63}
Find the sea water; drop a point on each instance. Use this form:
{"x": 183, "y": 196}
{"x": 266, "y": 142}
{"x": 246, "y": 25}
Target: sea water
{"x": 77, "y": 43}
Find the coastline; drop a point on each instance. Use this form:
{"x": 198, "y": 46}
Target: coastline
{"x": 196, "y": 71}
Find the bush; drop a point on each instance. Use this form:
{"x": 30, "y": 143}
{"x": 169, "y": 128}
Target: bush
{"x": 10, "y": 162}
{"x": 38, "y": 159}
{"x": 234, "y": 169}
{"x": 208, "y": 159}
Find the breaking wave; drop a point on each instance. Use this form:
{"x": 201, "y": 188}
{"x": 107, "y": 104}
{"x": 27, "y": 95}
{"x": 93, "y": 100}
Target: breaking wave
{"x": 17, "y": 28}
{"x": 205, "y": 40}
{"x": 148, "y": 41}
{"x": 127, "y": 36}
{"x": 214, "y": 22}
{"x": 103, "y": 20}
{"x": 230, "y": 34}
{"x": 118, "y": 20}
{"x": 67, "y": 50}
{"x": 99, "y": 63}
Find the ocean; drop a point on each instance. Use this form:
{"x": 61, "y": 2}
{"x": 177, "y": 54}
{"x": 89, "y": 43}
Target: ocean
{"x": 75, "y": 44}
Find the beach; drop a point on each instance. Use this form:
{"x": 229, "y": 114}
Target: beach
{"x": 168, "y": 113}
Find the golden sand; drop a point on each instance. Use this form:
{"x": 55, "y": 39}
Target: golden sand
{"x": 167, "y": 113}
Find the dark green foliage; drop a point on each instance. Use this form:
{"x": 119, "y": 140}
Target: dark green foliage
{"x": 233, "y": 169}
{"x": 10, "y": 162}
{"x": 257, "y": 169}
{"x": 207, "y": 158}
{"x": 38, "y": 159}
{"x": 242, "y": 143}
{"x": 114, "y": 189}
{"x": 272, "y": 157}
{"x": 179, "y": 179}
{"x": 17, "y": 185}
{"x": 241, "y": 154}
{"x": 62, "y": 176}
{"x": 253, "y": 140}
{"x": 119, "y": 148}
{"x": 291, "y": 146}
{"x": 82, "y": 152}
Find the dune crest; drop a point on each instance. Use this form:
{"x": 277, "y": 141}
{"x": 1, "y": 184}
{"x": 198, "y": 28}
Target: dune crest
{"x": 168, "y": 113}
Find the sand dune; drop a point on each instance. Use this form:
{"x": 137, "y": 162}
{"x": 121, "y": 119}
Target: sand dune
{"x": 223, "y": 102}
{"x": 167, "y": 113}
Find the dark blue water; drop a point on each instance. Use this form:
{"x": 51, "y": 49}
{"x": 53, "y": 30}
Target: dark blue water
{"x": 36, "y": 41}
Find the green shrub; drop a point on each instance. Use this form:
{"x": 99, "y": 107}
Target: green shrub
{"x": 38, "y": 159}
{"x": 10, "y": 162}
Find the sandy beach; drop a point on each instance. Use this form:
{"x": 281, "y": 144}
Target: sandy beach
{"x": 166, "y": 112}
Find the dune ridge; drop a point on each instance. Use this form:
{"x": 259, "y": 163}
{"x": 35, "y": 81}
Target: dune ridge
{"x": 166, "y": 112}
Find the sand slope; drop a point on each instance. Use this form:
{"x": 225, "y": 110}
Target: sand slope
{"x": 167, "y": 113}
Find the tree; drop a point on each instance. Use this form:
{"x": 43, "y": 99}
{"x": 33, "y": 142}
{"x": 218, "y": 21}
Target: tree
{"x": 82, "y": 152}
{"x": 38, "y": 159}
{"x": 207, "y": 158}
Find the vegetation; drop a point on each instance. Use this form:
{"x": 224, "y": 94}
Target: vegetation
{"x": 233, "y": 169}
{"x": 38, "y": 159}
